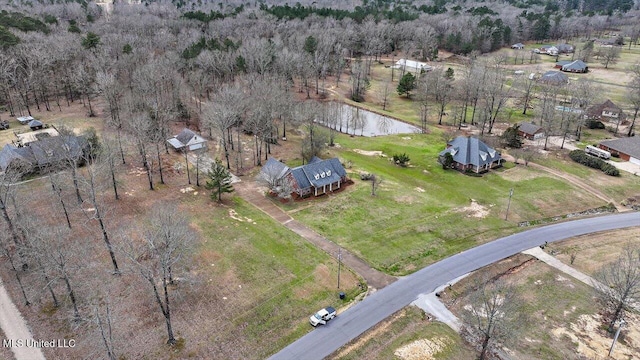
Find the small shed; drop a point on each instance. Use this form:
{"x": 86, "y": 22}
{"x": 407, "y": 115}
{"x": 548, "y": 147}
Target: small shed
{"x": 188, "y": 140}
{"x": 530, "y": 131}
{"x": 517, "y": 46}
{"x": 36, "y": 125}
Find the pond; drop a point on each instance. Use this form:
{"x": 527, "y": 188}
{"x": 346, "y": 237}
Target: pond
{"x": 355, "y": 121}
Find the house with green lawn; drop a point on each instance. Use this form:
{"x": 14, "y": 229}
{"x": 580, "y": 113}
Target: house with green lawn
{"x": 471, "y": 154}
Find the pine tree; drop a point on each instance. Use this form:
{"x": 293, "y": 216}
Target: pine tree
{"x": 219, "y": 180}
{"x": 406, "y": 84}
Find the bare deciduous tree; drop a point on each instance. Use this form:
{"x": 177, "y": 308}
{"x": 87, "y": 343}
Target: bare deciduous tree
{"x": 376, "y": 180}
{"x": 166, "y": 241}
{"x": 633, "y": 96}
{"x": 493, "y": 314}
{"x": 619, "y": 284}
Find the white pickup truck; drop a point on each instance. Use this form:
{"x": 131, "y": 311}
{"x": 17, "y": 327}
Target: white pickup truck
{"x": 322, "y": 316}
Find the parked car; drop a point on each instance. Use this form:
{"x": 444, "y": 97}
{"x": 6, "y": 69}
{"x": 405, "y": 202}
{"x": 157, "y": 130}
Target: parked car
{"x": 322, "y": 316}
{"x": 4, "y": 125}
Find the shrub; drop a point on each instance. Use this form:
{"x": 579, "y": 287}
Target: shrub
{"x": 401, "y": 159}
{"x": 581, "y": 157}
{"x": 594, "y": 124}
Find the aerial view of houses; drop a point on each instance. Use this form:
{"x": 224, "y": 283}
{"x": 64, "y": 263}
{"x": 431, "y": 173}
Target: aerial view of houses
{"x": 321, "y": 180}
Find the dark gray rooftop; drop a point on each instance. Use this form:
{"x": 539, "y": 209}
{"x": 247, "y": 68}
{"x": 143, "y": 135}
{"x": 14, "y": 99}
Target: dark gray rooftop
{"x": 630, "y": 145}
{"x": 185, "y": 135}
{"x": 470, "y": 150}
{"x": 529, "y": 128}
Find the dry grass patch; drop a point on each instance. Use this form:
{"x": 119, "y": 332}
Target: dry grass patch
{"x": 594, "y": 251}
{"x": 563, "y": 322}
{"x": 407, "y": 335}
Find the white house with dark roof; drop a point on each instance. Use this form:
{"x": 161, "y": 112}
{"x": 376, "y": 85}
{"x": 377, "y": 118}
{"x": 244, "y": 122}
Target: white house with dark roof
{"x": 188, "y": 140}
{"x": 470, "y": 153}
{"x": 315, "y": 178}
{"x": 626, "y": 148}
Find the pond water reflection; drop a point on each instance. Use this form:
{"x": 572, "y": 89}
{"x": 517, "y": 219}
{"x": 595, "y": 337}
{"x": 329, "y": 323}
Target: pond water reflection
{"x": 355, "y": 121}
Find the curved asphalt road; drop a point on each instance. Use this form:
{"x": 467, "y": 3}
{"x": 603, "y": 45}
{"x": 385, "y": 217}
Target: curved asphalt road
{"x": 326, "y": 339}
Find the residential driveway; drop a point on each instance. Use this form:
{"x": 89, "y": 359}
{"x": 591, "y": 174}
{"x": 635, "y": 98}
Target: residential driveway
{"x": 15, "y": 328}
{"x": 323, "y": 341}
{"x": 626, "y": 166}
{"x": 254, "y": 194}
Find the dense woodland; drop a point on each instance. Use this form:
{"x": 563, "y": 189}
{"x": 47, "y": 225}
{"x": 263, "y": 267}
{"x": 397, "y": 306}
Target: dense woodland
{"x": 235, "y": 68}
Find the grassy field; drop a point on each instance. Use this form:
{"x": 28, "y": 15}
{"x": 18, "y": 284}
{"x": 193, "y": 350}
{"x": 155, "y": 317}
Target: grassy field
{"x": 407, "y": 334}
{"x": 617, "y": 187}
{"x": 423, "y": 213}
{"x": 74, "y": 117}
{"x": 274, "y": 278}
{"x": 249, "y": 284}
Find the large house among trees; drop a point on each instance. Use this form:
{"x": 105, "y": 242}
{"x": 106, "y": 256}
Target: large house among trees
{"x": 471, "y": 154}
{"x": 554, "y": 78}
{"x": 316, "y": 178}
{"x": 45, "y": 154}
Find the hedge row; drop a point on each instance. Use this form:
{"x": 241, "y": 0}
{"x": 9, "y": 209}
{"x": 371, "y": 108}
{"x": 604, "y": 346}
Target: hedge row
{"x": 581, "y": 157}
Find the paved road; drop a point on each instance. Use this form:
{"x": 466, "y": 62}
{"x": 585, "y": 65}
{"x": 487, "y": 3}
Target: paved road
{"x": 324, "y": 340}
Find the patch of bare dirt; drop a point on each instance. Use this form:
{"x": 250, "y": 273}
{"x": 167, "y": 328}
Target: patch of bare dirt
{"x": 423, "y": 349}
{"x": 475, "y": 210}
{"x": 369, "y": 152}
{"x": 592, "y": 344}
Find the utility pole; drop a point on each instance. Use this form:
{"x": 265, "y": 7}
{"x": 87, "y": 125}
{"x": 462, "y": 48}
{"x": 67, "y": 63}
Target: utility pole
{"x": 615, "y": 338}
{"x": 339, "y": 265}
{"x": 508, "y": 204}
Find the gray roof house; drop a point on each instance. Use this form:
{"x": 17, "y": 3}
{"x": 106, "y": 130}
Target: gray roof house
{"x": 317, "y": 177}
{"x": 576, "y": 66}
{"x": 36, "y": 124}
{"x": 188, "y": 140}
{"x": 470, "y": 153}
{"x": 626, "y": 148}
{"x": 43, "y": 154}
{"x": 530, "y": 131}
{"x": 518, "y": 46}
{"x": 564, "y": 48}
{"x": 554, "y": 78}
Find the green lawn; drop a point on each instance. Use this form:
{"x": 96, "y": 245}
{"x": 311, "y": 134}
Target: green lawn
{"x": 418, "y": 215}
{"x": 283, "y": 277}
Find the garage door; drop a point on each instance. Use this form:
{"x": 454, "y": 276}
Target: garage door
{"x": 195, "y": 147}
{"x": 634, "y": 160}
